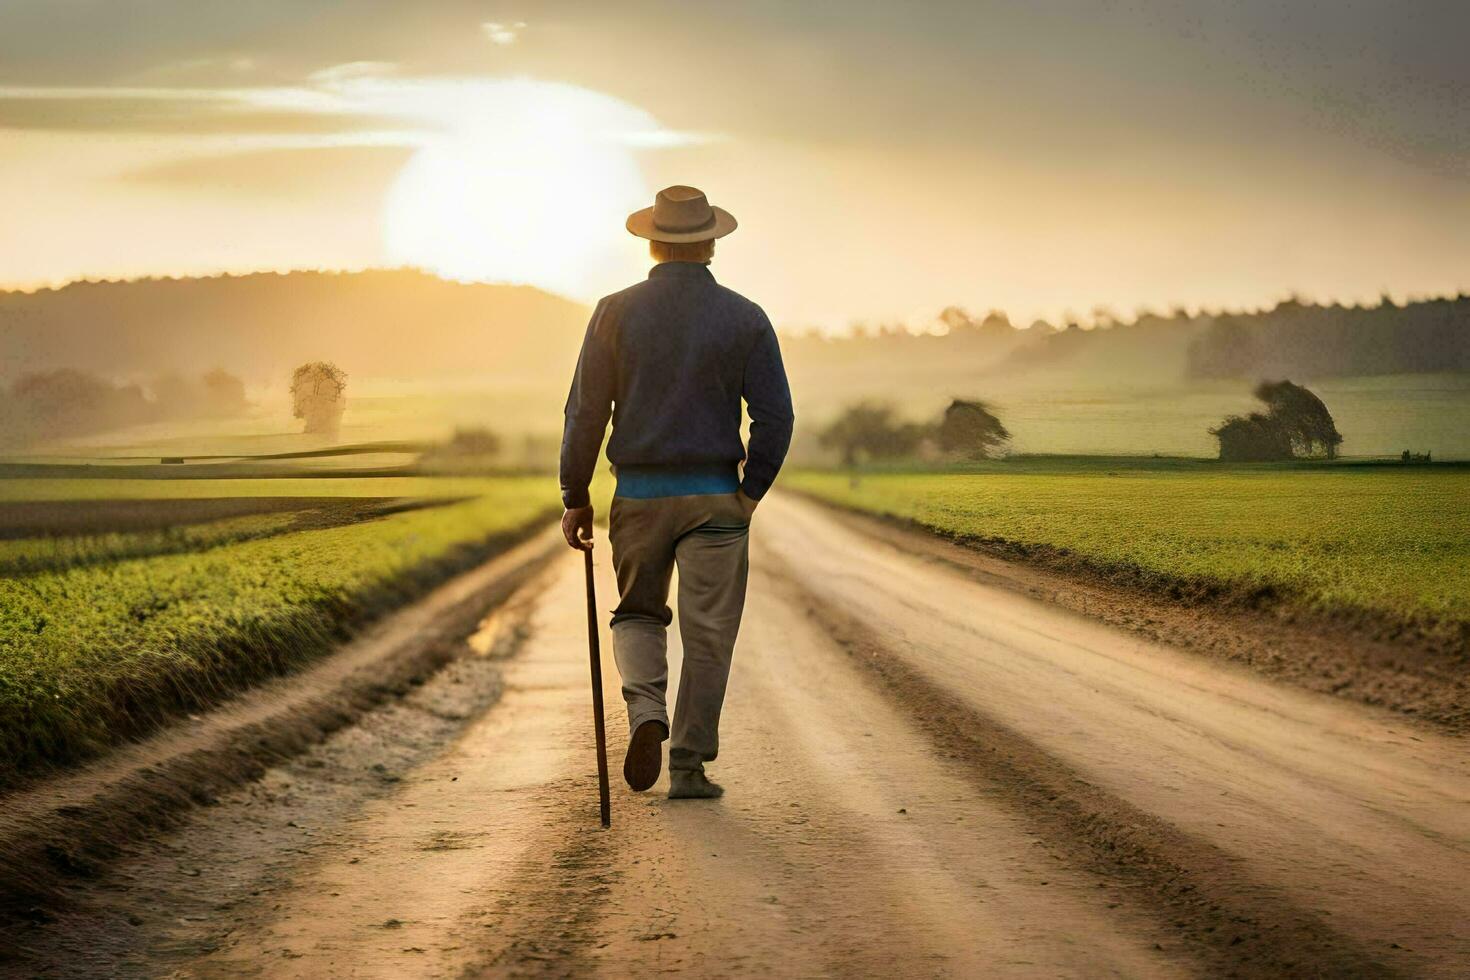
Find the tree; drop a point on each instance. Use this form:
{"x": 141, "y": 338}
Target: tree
{"x": 1228, "y": 348}
{"x": 1302, "y": 416}
{"x": 64, "y": 402}
{"x": 217, "y": 394}
{"x": 473, "y": 441}
{"x": 1254, "y": 438}
{"x": 869, "y": 430}
{"x": 971, "y": 430}
{"x": 1296, "y": 424}
{"x": 318, "y": 395}
{"x": 957, "y": 319}
{"x": 224, "y": 394}
{"x": 175, "y": 396}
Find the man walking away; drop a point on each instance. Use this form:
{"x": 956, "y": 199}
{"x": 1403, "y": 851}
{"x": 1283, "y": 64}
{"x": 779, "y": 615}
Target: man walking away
{"x": 669, "y": 361}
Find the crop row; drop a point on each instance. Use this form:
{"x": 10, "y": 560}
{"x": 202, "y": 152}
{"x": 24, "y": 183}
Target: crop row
{"x": 92, "y": 654}
{"x": 1390, "y": 543}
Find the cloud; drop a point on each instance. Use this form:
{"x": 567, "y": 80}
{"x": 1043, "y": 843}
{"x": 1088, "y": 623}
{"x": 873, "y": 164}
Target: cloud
{"x": 503, "y": 34}
{"x": 356, "y": 104}
{"x": 333, "y": 170}
{"x": 352, "y": 69}
{"x": 182, "y": 71}
{"x": 189, "y": 112}
{"x": 168, "y": 110}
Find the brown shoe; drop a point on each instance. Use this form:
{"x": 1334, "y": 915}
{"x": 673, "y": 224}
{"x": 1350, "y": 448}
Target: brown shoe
{"x": 645, "y": 759}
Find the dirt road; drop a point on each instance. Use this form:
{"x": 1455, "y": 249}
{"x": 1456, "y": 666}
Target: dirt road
{"x": 928, "y": 775}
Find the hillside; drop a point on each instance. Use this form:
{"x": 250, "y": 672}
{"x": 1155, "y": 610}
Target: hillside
{"x": 1292, "y": 339}
{"x": 472, "y": 354}
{"x": 382, "y": 324}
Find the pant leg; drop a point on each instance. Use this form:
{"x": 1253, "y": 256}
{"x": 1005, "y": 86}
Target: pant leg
{"x": 643, "y": 559}
{"x": 713, "y": 562}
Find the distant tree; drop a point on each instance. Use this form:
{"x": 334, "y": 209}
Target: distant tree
{"x": 223, "y": 393}
{"x": 217, "y": 394}
{"x": 318, "y": 395}
{"x": 67, "y": 402}
{"x": 473, "y": 441}
{"x": 1228, "y": 348}
{"x": 971, "y": 430}
{"x": 175, "y": 395}
{"x": 996, "y": 321}
{"x": 1253, "y": 438}
{"x": 957, "y": 319}
{"x": 871, "y": 430}
{"x": 1302, "y": 416}
{"x": 1296, "y": 424}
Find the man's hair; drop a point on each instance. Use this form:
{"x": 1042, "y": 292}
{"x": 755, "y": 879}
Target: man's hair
{"x": 682, "y": 251}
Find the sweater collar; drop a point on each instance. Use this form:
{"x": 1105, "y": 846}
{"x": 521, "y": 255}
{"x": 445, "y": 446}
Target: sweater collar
{"x": 681, "y": 270}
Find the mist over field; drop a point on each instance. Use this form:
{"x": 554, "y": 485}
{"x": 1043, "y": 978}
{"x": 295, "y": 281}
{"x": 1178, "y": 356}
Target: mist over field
{"x": 424, "y": 355}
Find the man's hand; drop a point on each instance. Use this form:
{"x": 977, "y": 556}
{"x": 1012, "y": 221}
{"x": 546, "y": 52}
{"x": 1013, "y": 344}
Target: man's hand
{"x": 576, "y": 526}
{"x": 746, "y": 504}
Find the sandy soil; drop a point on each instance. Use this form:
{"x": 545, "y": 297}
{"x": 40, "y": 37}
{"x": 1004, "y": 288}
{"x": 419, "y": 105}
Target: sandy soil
{"x": 928, "y": 775}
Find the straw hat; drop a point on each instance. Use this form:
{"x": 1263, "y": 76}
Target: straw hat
{"x": 681, "y": 214}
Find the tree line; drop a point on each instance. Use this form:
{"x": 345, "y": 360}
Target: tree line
{"x": 868, "y": 430}
{"x": 1294, "y": 338}
{"x": 46, "y": 405}
{"x": 66, "y": 402}
{"x": 1295, "y": 425}
{"x": 1301, "y": 338}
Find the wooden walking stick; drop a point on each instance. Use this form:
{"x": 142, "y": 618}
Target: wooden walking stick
{"x": 594, "y": 644}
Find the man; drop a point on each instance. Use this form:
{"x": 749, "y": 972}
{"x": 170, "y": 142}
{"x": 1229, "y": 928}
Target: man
{"x": 669, "y": 360}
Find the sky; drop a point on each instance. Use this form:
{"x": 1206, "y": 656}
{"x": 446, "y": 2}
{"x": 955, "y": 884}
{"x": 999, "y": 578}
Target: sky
{"x": 885, "y": 160}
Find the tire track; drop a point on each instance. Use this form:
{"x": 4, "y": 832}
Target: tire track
{"x": 1233, "y": 924}
{"x": 546, "y": 922}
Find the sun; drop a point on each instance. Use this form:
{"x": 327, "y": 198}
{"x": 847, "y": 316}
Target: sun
{"x": 529, "y": 183}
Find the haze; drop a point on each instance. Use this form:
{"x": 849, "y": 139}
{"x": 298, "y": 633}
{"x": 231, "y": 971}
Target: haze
{"x": 885, "y": 160}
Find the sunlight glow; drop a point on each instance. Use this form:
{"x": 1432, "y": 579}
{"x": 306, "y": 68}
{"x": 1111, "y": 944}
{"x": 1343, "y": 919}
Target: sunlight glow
{"x": 511, "y": 180}
{"x": 530, "y": 183}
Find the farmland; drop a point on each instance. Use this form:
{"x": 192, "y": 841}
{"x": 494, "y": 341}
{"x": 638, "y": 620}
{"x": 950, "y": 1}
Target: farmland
{"x": 204, "y": 586}
{"x": 1377, "y": 542}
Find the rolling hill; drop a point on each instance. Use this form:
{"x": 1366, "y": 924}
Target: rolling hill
{"x": 379, "y": 324}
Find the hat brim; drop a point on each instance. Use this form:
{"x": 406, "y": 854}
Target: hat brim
{"x": 640, "y": 223}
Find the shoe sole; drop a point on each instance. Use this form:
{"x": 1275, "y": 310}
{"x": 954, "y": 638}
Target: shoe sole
{"x": 645, "y": 758}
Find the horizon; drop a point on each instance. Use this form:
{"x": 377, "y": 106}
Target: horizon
{"x": 922, "y": 323}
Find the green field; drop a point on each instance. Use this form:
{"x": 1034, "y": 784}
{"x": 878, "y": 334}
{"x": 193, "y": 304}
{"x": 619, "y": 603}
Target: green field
{"x": 107, "y": 635}
{"x": 1387, "y": 542}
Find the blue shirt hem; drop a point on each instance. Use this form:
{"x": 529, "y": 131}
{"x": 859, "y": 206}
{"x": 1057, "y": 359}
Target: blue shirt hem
{"x": 651, "y": 482}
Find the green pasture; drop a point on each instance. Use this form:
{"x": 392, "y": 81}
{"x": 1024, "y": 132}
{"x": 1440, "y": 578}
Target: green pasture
{"x": 1386, "y": 540}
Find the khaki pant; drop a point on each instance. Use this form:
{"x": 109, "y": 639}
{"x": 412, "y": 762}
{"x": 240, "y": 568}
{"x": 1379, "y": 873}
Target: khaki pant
{"x": 706, "y": 537}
